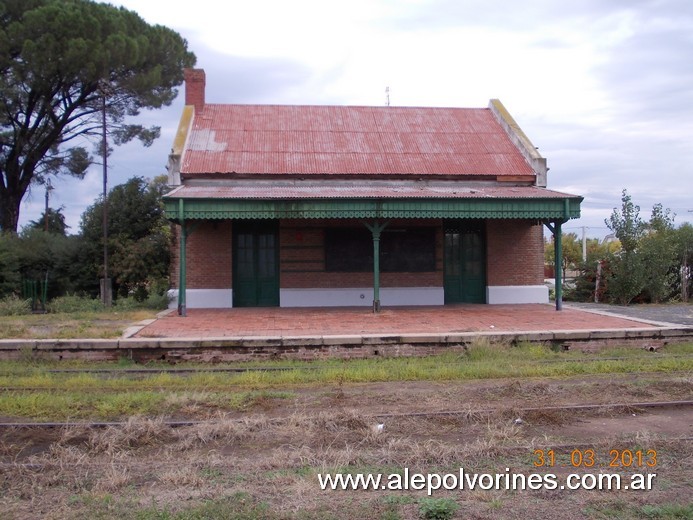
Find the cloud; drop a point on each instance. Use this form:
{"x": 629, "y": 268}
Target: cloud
{"x": 230, "y": 79}
{"x": 603, "y": 88}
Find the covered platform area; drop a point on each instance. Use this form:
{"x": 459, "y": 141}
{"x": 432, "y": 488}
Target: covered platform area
{"x": 280, "y": 322}
{"x": 466, "y": 245}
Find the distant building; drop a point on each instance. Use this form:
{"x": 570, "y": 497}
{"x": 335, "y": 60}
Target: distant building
{"x": 345, "y": 206}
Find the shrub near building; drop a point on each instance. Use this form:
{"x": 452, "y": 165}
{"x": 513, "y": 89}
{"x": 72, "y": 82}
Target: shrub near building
{"x": 652, "y": 263}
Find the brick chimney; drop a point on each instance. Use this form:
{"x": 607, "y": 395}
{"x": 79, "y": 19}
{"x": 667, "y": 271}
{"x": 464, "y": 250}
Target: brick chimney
{"x": 195, "y": 88}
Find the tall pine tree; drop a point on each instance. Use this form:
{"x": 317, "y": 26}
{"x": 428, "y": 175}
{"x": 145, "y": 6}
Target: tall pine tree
{"x": 59, "y": 61}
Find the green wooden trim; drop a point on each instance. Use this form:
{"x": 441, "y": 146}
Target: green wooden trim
{"x": 534, "y": 208}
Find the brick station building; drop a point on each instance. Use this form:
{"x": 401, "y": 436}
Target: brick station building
{"x": 357, "y": 206}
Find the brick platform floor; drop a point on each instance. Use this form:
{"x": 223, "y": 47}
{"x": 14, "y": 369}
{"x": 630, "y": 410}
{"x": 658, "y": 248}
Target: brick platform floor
{"x": 277, "y": 322}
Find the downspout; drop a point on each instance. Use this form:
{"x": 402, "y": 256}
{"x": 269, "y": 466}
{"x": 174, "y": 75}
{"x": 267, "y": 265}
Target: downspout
{"x": 182, "y": 311}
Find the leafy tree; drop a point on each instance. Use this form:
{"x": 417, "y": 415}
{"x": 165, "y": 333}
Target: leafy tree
{"x": 627, "y": 268}
{"x": 52, "y": 221}
{"x": 38, "y": 255}
{"x": 572, "y": 252}
{"x": 598, "y": 252}
{"x": 683, "y": 251}
{"x": 626, "y": 223}
{"x": 661, "y": 220}
{"x": 658, "y": 251}
{"x": 601, "y": 249}
{"x": 627, "y": 277}
{"x": 138, "y": 236}
{"x": 60, "y": 62}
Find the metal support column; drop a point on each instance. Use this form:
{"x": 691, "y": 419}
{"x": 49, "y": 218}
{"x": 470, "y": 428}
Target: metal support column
{"x": 558, "y": 254}
{"x": 558, "y": 260}
{"x": 376, "y": 228}
{"x": 182, "y": 310}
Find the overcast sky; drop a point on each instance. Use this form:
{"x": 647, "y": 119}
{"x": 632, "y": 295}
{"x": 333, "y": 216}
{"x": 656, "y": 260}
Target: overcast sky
{"x": 604, "y": 88}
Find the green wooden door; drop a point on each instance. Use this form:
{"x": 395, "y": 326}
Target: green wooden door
{"x": 255, "y": 264}
{"x": 465, "y": 262}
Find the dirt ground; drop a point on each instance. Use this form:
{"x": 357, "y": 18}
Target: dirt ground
{"x": 263, "y": 462}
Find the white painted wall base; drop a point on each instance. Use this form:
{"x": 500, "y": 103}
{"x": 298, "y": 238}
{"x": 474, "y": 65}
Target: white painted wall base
{"x": 517, "y": 294}
{"x": 203, "y": 298}
{"x": 360, "y": 297}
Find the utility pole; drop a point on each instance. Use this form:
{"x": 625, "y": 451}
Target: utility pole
{"x": 49, "y": 188}
{"x": 106, "y": 287}
{"x": 584, "y": 244}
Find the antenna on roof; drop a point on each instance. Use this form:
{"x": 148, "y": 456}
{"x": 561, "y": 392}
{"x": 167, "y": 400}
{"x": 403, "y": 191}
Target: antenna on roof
{"x": 387, "y": 96}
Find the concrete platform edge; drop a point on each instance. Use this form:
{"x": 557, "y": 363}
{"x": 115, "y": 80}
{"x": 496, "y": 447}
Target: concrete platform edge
{"x": 665, "y": 334}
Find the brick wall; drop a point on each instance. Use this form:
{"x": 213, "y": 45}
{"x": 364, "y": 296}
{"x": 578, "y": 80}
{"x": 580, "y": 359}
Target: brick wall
{"x": 302, "y": 258}
{"x": 175, "y": 250}
{"x": 515, "y": 256}
{"x": 208, "y": 255}
{"x": 515, "y": 251}
{"x": 195, "y": 82}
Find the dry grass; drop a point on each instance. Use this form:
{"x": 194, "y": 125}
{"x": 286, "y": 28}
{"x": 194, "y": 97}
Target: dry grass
{"x": 252, "y": 460}
{"x": 105, "y": 324}
{"x": 137, "y": 432}
{"x": 242, "y": 464}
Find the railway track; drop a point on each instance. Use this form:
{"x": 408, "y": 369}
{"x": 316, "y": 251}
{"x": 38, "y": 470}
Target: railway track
{"x": 622, "y": 407}
{"x": 226, "y": 388}
{"x": 310, "y": 367}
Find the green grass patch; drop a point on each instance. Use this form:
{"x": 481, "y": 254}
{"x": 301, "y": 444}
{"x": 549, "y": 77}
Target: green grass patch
{"x": 32, "y": 391}
{"x": 94, "y": 323}
{"x": 621, "y": 510}
{"x": 77, "y": 405}
{"x": 49, "y": 406}
{"x": 437, "y": 508}
{"x": 667, "y": 511}
{"x": 238, "y": 506}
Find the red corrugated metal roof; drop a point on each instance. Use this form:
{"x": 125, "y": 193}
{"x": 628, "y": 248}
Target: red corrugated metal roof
{"x": 381, "y": 191}
{"x": 308, "y": 140}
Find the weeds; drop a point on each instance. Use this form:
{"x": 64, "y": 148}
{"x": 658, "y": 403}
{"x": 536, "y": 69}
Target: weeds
{"x": 34, "y": 392}
{"x": 14, "y": 306}
{"x": 89, "y": 320}
{"x": 135, "y": 433}
{"x": 437, "y": 508}
{"x": 266, "y": 469}
{"x": 73, "y": 304}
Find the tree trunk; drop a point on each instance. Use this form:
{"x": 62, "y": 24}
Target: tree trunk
{"x": 9, "y": 211}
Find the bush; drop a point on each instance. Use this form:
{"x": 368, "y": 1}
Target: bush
{"x": 73, "y": 303}
{"x": 628, "y": 277}
{"x": 157, "y": 302}
{"x": 14, "y": 306}
{"x": 586, "y": 280}
{"x": 437, "y": 508}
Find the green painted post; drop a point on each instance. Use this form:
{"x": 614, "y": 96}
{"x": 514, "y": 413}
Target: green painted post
{"x": 558, "y": 255}
{"x": 182, "y": 310}
{"x": 376, "y": 228}
{"x": 376, "y": 268}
